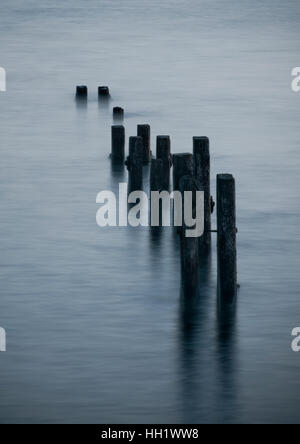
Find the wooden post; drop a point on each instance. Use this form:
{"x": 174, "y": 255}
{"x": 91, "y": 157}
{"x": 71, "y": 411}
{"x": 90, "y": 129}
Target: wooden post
{"x": 143, "y": 131}
{"x": 188, "y": 245}
{"x": 118, "y": 143}
{"x": 103, "y": 92}
{"x": 156, "y": 184}
{"x": 226, "y": 244}
{"x": 202, "y": 176}
{"x": 135, "y": 163}
{"x": 163, "y": 152}
{"x": 118, "y": 114}
{"x": 81, "y": 92}
{"x": 183, "y": 165}
{"x": 156, "y": 175}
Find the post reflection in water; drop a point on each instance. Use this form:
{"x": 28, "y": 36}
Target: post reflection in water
{"x": 227, "y": 361}
{"x": 81, "y": 103}
{"x": 155, "y": 240}
{"x": 103, "y": 104}
{"x": 193, "y": 340}
{"x": 117, "y": 174}
{"x": 157, "y": 246}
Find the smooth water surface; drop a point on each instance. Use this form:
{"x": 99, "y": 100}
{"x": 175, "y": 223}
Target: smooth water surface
{"x": 95, "y": 328}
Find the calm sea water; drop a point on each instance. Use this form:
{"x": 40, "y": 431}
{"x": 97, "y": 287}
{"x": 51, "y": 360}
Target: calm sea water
{"x": 95, "y": 328}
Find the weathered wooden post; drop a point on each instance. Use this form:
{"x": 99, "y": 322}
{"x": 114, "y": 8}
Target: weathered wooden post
{"x": 226, "y": 243}
{"x": 118, "y": 143}
{"x": 156, "y": 175}
{"x": 143, "y": 131}
{"x": 202, "y": 176}
{"x": 118, "y": 114}
{"x": 156, "y": 184}
{"x": 188, "y": 245}
{"x": 163, "y": 152}
{"x": 103, "y": 92}
{"x": 135, "y": 163}
{"x": 81, "y": 92}
{"x": 183, "y": 165}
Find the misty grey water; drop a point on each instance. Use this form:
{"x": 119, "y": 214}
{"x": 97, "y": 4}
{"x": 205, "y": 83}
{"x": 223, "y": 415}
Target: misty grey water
{"x": 95, "y": 328}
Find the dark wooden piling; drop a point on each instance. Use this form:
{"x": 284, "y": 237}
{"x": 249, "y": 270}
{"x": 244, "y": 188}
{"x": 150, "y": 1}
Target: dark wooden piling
{"x": 163, "y": 152}
{"x": 202, "y": 176}
{"x": 183, "y": 165}
{"x": 156, "y": 175}
{"x": 189, "y": 246}
{"x": 103, "y": 92}
{"x": 226, "y": 243}
{"x": 135, "y": 164}
{"x": 118, "y": 114}
{"x": 81, "y": 92}
{"x": 144, "y": 131}
{"x": 156, "y": 184}
{"x": 118, "y": 143}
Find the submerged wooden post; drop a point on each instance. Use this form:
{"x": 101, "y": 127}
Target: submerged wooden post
{"x": 202, "y": 176}
{"x": 118, "y": 113}
{"x": 163, "y": 152}
{"x": 156, "y": 184}
{"x": 82, "y": 92}
{"x": 226, "y": 244}
{"x": 143, "y": 131}
{"x": 189, "y": 246}
{"x": 156, "y": 175}
{"x": 183, "y": 165}
{"x": 118, "y": 143}
{"x": 103, "y": 92}
{"x": 135, "y": 164}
